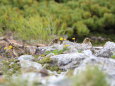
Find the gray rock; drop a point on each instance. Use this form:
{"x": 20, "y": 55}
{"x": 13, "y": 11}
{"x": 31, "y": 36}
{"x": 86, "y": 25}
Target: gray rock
{"x": 73, "y": 47}
{"x": 49, "y": 55}
{"x": 71, "y": 60}
{"x": 107, "y": 50}
{"x": 60, "y": 82}
{"x": 78, "y": 56}
{"x": 26, "y": 57}
{"x": 105, "y": 64}
{"x": 28, "y": 65}
{"x": 53, "y": 47}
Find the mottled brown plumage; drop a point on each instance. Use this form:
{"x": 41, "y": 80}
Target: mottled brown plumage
{"x": 56, "y": 40}
{"x": 44, "y": 72}
{"x": 87, "y": 41}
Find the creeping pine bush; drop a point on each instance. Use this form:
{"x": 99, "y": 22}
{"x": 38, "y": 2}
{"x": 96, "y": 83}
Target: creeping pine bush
{"x": 41, "y": 19}
{"x": 90, "y": 77}
{"x": 35, "y": 28}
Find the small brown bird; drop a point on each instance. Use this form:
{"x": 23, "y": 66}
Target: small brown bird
{"x": 87, "y": 41}
{"x": 54, "y": 41}
{"x": 58, "y": 40}
{"x": 44, "y": 72}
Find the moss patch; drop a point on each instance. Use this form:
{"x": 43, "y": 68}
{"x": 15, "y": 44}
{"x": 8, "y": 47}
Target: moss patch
{"x": 11, "y": 67}
{"x": 92, "y": 76}
{"x": 53, "y": 68}
{"x": 113, "y": 56}
{"x": 49, "y": 64}
{"x": 45, "y": 60}
{"x": 57, "y": 52}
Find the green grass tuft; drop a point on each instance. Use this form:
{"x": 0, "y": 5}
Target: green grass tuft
{"x": 90, "y": 77}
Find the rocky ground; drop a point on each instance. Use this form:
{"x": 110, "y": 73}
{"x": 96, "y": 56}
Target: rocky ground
{"x": 56, "y": 65}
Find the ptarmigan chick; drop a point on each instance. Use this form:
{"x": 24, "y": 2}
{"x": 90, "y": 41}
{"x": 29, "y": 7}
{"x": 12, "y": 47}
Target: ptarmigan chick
{"x": 87, "y": 43}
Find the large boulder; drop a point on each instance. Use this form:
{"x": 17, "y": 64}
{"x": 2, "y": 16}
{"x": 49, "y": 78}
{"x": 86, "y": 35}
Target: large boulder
{"x": 71, "y": 60}
{"x": 107, "y": 51}
{"x": 72, "y": 47}
{"x": 105, "y": 64}
{"x": 26, "y": 57}
{"x": 27, "y": 65}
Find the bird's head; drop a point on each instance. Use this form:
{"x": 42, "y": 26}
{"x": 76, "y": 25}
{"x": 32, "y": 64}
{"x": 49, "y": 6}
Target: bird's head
{"x": 86, "y": 40}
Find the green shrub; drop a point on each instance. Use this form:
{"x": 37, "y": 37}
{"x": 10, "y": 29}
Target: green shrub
{"x": 81, "y": 28}
{"x": 31, "y": 19}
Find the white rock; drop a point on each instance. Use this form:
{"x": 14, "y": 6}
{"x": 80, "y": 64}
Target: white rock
{"x": 71, "y": 60}
{"x": 53, "y": 47}
{"x": 25, "y": 64}
{"x": 49, "y": 55}
{"x": 88, "y": 53}
{"x": 78, "y": 56}
{"x": 59, "y": 81}
{"x": 107, "y": 50}
{"x": 73, "y": 47}
{"x": 105, "y": 64}
{"x": 26, "y": 57}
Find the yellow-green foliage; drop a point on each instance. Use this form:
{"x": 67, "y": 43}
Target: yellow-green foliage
{"x": 48, "y": 63}
{"x": 113, "y": 56}
{"x": 10, "y": 67}
{"x": 57, "y": 52}
{"x": 35, "y": 28}
{"x": 42, "y": 19}
{"x": 45, "y": 60}
{"x": 90, "y": 77}
{"x": 53, "y": 67}
{"x": 81, "y": 28}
